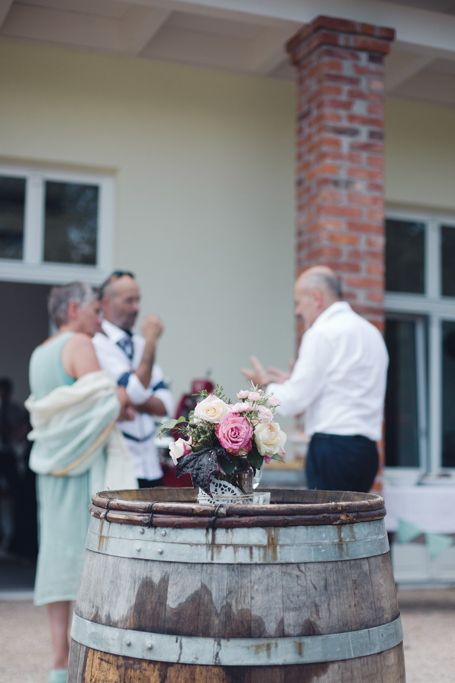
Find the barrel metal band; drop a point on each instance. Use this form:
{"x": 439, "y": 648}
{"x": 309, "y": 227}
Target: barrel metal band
{"x": 236, "y": 651}
{"x": 240, "y": 546}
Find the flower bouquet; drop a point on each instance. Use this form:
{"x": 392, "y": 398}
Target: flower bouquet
{"x": 223, "y": 444}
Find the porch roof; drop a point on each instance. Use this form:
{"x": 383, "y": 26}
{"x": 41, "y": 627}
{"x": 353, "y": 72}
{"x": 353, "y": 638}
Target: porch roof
{"x": 243, "y": 36}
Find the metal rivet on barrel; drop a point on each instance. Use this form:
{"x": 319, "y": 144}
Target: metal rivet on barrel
{"x": 128, "y": 642}
{"x": 163, "y": 533}
{"x": 160, "y": 551}
{"x": 149, "y": 646}
{"x": 141, "y": 531}
{"x": 138, "y": 548}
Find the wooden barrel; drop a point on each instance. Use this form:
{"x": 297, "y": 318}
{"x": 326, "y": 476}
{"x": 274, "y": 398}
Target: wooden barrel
{"x": 177, "y": 592}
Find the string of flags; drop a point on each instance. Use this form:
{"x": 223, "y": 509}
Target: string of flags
{"x": 435, "y": 543}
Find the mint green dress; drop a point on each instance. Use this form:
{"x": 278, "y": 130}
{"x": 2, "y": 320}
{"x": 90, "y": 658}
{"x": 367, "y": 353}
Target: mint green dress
{"x": 63, "y": 515}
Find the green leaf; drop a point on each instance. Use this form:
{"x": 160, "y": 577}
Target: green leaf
{"x": 277, "y": 456}
{"x": 255, "y": 459}
{"x": 228, "y": 467}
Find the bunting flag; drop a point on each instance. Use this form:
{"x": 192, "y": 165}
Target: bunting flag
{"x": 407, "y": 531}
{"x": 435, "y": 543}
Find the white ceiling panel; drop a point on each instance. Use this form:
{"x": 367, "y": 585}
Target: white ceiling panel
{"x": 197, "y": 23}
{"x": 113, "y": 9}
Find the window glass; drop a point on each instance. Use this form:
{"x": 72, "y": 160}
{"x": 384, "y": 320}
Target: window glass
{"x": 71, "y": 223}
{"x": 12, "y": 208}
{"x": 405, "y": 248}
{"x": 448, "y": 394}
{"x": 401, "y": 418}
{"x": 447, "y": 260}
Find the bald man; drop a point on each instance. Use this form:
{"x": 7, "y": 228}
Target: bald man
{"x": 130, "y": 360}
{"x": 338, "y": 382}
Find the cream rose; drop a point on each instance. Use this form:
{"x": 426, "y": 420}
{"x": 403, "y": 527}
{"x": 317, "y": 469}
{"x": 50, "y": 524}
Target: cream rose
{"x": 269, "y": 438}
{"x": 211, "y": 409}
{"x": 179, "y": 448}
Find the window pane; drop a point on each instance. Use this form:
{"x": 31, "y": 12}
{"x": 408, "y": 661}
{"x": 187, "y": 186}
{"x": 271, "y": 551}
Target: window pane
{"x": 401, "y": 421}
{"x": 448, "y": 260}
{"x": 71, "y": 223}
{"x": 12, "y": 207}
{"x": 405, "y": 246}
{"x": 448, "y": 394}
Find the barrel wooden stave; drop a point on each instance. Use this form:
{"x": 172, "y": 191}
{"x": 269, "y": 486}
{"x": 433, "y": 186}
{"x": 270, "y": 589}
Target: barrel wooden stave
{"x": 237, "y": 601}
{"x": 92, "y": 666}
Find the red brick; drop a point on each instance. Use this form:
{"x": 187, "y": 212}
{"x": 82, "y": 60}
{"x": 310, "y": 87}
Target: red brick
{"x": 338, "y": 210}
{"x": 324, "y": 90}
{"x": 375, "y": 215}
{"x": 375, "y": 84}
{"x": 376, "y": 242}
{"x": 329, "y": 196}
{"x": 360, "y": 172}
{"x": 340, "y": 78}
{"x": 365, "y": 254}
{"x": 375, "y": 187}
{"x": 358, "y": 94}
{"x": 376, "y": 269}
{"x": 324, "y": 253}
{"x": 365, "y": 282}
{"x": 345, "y": 266}
{"x": 371, "y": 45}
{"x": 373, "y": 160}
{"x": 365, "y": 120}
{"x": 375, "y": 109}
{"x": 364, "y": 199}
{"x": 367, "y": 146}
{"x": 338, "y": 53}
{"x": 363, "y": 70}
{"x": 335, "y": 104}
{"x": 377, "y": 297}
{"x": 344, "y": 239}
{"x": 324, "y": 169}
{"x": 363, "y": 226}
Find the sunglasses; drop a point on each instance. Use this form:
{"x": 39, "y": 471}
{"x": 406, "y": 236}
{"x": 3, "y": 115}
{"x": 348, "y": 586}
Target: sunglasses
{"x": 116, "y": 274}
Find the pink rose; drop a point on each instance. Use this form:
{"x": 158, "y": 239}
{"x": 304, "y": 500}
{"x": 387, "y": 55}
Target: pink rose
{"x": 265, "y": 414}
{"x": 242, "y": 394}
{"x": 274, "y": 401}
{"x": 234, "y": 434}
{"x": 241, "y": 407}
{"x": 254, "y": 396}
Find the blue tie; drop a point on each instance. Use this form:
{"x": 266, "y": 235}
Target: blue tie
{"x": 126, "y": 344}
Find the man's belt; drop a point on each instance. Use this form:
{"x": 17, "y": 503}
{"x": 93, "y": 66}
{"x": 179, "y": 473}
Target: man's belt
{"x": 134, "y": 438}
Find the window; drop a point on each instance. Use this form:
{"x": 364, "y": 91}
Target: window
{"x": 420, "y": 336}
{"x": 54, "y": 226}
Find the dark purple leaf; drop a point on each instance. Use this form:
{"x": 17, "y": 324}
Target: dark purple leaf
{"x": 201, "y": 465}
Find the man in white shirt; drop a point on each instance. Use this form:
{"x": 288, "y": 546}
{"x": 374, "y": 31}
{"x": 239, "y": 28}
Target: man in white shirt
{"x": 130, "y": 360}
{"x": 338, "y": 382}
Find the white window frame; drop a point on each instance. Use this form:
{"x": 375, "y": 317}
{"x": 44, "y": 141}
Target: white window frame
{"x": 32, "y": 267}
{"x": 435, "y": 308}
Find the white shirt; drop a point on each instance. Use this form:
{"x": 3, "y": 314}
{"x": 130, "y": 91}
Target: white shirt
{"x": 115, "y": 361}
{"x": 339, "y": 378}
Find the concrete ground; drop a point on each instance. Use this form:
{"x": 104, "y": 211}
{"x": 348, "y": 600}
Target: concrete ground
{"x": 428, "y": 622}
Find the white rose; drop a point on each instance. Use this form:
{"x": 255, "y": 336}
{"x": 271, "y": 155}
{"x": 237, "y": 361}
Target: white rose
{"x": 269, "y": 438}
{"x": 179, "y": 448}
{"x": 211, "y": 409}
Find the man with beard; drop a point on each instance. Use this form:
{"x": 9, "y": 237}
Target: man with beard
{"x": 130, "y": 360}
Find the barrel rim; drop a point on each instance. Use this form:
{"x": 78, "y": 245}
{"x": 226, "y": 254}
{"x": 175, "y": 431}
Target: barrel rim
{"x": 179, "y": 507}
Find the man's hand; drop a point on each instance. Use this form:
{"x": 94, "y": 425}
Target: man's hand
{"x": 127, "y": 411}
{"x": 279, "y": 376}
{"x": 258, "y": 375}
{"x": 152, "y": 328}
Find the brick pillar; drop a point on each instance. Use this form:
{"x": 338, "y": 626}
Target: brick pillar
{"x": 340, "y": 155}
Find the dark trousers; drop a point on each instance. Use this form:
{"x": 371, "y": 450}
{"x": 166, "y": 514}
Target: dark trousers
{"x": 341, "y": 463}
{"x": 149, "y": 483}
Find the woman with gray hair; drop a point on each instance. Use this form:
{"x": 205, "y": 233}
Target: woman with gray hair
{"x": 67, "y": 461}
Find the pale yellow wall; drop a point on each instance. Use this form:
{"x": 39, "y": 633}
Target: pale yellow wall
{"x": 204, "y": 165}
{"x": 420, "y": 155}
